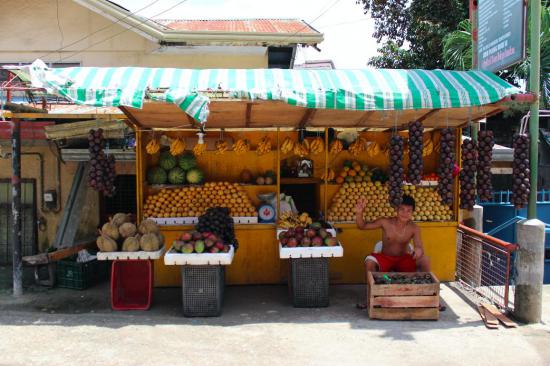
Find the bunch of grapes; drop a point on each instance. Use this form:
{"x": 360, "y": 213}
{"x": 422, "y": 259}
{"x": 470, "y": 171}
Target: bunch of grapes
{"x": 416, "y": 165}
{"x": 468, "y": 175}
{"x": 101, "y": 175}
{"x": 446, "y": 166}
{"x": 521, "y": 185}
{"x": 396, "y": 170}
{"x": 485, "y": 143}
{"x": 218, "y": 221}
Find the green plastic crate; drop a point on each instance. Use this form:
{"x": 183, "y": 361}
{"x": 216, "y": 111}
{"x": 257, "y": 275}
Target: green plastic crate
{"x": 80, "y": 276}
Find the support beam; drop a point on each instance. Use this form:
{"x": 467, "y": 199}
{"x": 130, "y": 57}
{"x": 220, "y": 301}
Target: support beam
{"x": 248, "y": 114}
{"x": 425, "y": 116}
{"x": 364, "y": 118}
{"x": 534, "y": 87}
{"x": 307, "y": 117}
{"x": 16, "y": 209}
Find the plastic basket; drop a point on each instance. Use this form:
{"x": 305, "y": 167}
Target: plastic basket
{"x": 80, "y": 276}
{"x": 309, "y": 282}
{"x": 131, "y": 284}
{"x": 202, "y": 290}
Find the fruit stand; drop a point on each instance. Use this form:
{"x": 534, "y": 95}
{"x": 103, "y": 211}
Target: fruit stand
{"x": 324, "y": 137}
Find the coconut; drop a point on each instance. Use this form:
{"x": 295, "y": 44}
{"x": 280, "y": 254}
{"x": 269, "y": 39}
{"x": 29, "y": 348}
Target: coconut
{"x": 127, "y": 230}
{"x": 131, "y": 244}
{"x": 120, "y": 218}
{"x": 148, "y": 226}
{"x": 106, "y": 244}
{"x": 111, "y": 230}
{"x": 149, "y": 242}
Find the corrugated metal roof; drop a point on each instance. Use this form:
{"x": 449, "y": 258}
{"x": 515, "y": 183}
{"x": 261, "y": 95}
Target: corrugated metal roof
{"x": 282, "y": 26}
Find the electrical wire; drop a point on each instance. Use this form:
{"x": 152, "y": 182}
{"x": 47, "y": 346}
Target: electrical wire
{"x": 97, "y": 31}
{"x": 124, "y": 31}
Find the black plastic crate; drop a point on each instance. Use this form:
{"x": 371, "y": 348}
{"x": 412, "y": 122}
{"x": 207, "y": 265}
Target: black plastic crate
{"x": 202, "y": 290}
{"x": 309, "y": 282}
{"x": 80, "y": 276}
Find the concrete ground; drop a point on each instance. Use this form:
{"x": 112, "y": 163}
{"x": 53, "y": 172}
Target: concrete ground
{"x": 258, "y": 327}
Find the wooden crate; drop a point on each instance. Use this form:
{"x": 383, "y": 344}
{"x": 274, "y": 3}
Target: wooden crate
{"x": 403, "y": 301}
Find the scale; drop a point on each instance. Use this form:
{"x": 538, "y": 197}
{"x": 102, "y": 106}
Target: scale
{"x": 266, "y": 211}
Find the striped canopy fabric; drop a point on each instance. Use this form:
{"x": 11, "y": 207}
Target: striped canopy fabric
{"x": 361, "y": 90}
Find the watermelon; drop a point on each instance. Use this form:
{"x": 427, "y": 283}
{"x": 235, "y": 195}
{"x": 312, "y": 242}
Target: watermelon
{"x": 195, "y": 176}
{"x": 167, "y": 161}
{"x": 187, "y": 161}
{"x": 176, "y": 176}
{"x": 156, "y": 175}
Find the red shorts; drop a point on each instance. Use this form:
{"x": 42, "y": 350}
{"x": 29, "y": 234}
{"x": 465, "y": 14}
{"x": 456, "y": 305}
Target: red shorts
{"x": 388, "y": 263}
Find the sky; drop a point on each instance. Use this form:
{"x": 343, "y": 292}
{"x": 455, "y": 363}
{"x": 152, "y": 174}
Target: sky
{"x": 347, "y": 31}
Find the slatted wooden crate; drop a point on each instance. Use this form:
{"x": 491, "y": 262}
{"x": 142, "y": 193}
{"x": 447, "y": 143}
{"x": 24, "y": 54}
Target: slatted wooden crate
{"x": 403, "y": 301}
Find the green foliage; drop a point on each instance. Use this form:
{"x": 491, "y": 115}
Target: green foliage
{"x": 420, "y": 25}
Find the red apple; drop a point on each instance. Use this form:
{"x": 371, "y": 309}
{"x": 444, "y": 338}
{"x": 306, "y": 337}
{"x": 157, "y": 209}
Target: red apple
{"x": 186, "y": 236}
{"x": 214, "y": 250}
{"x": 219, "y": 245}
{"x": 317, "y": 241}
{"x": 306, "y": 242}
{"x": 331, "y": 242}
{"x": 292, "y": 242}
{"x": 311, "y": 233}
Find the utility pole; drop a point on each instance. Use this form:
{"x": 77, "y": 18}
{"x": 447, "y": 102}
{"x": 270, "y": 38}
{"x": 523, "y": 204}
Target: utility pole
{"x": 16, "y": 208}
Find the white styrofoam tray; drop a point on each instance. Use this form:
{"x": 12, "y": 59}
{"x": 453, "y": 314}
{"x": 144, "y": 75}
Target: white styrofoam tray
{"x": 141, "y": 254}
{"x": 311, "y": 252}
{"x": 173, "y": 221}
{"x": 331, "y": 231}
{"x": 195, "y": 259}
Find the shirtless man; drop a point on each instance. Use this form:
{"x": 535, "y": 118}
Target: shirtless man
{"x": 397, "y": 232}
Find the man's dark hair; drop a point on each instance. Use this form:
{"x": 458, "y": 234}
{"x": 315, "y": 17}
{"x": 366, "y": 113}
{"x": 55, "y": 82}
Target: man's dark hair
{"x": 408, "y": 201}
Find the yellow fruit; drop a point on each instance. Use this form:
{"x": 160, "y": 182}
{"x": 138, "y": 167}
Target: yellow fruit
{"x": 152, "y": 147}
{"x": 199, "y": 149}
{"x": 336, "y": 147}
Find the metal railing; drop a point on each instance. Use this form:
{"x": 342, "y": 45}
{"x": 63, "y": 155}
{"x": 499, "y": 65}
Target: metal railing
{"x": 484, "y": 267}
{"x": 504, "y": 197}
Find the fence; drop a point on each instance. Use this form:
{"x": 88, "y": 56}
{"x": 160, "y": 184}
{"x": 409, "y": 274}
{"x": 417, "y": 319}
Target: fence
{"x": 484, "y": 267}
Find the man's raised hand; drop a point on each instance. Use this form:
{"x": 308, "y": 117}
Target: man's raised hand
{"x": 361, "y": 204}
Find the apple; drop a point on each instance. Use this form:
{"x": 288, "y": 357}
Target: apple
{"x": 331, "y": 242}
{"x": 292, "y": 242}
{"x": 186, "y": 236}
{"x": 209, "y": 243}
{"x": 317, "y": 241}
{"x": 196, "y": 235}
{"x": 219, "y": 245}
{"x": 311, "y": 233}
{"x": 306, "y": 242}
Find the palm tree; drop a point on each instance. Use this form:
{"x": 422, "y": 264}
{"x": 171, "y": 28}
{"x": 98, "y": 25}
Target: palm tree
{"x": 457, "y": 55}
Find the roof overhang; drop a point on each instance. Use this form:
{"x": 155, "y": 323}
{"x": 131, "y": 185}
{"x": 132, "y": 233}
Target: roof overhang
{"x": 157, "y": 32}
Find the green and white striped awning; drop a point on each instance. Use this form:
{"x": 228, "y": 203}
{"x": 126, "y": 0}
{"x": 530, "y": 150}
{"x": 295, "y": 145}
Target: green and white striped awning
{"x": 360, "y": 90}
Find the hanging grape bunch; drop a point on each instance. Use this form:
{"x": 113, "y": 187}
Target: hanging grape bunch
{"x": 396, "y": 171}
{"x": 521, "y": 185}
{"x": 416, "y": 165}
{"x": 468, "y": 175}
{"x": 485, "y": 143}
{"x": 446, "y": 166}
{"x": 101, "y": 174}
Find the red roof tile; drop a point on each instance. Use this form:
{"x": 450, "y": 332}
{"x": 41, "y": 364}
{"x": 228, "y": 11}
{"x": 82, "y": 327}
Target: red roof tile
{"x": 283, "y": 26}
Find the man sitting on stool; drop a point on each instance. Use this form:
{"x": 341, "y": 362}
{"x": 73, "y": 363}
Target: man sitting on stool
{"x": 397, "y": 232}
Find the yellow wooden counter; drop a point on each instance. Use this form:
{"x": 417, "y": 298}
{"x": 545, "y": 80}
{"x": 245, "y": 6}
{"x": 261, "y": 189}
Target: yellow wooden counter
{"x": 257, "y": 260}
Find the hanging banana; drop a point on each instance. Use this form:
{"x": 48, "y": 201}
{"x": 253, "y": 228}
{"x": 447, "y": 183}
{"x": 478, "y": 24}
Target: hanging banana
{"x": 317, "y": 146}
{"x": 336, "y": 147}
{"x": 264, "y": 146}
{"x": 199, "y": 149}
{"x": 221, "y": 147}
{"x": 287, "y": 146}
{"x": 241, "y": 146}
{"x": 152, "y": 147}
{"x": 177, "y": 147}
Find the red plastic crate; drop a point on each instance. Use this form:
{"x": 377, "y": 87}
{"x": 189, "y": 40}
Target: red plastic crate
{"x": 131, "y": 284}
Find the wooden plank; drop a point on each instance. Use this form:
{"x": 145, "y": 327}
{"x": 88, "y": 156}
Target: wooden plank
{"x": 405, "y": 290}
{"x": 248, "y": 114}
{"x": 406, "y": 301}
{"x": 501, "y": 317}
{"x": 483, "y": 315}
{"x": 307, "y": 117}
{"x": 404, "y": 313}
{"x": 65, "y": 252}
{"x": 111, "y": 129}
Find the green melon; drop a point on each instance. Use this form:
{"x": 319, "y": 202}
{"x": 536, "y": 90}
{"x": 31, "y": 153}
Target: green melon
{"x": 195, "y": 176}
{"x": 167, "y": 161}
{"x": 176, "y": 176}
{"x": 187, "y": 161}
{"x": 156, "y": 175}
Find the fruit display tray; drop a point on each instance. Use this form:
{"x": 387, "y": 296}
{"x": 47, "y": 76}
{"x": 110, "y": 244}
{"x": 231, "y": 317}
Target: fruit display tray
{"x": 110, "y": 256}
{"x": 195, "y": 259}
{"x": 174, "y": 221}
{"x": 311, "y": 252}
{"x": 331, "y": 231}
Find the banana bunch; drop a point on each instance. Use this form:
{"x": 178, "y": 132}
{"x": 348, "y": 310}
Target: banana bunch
{"x": 221, "y": 147}
{"x": 357, "y": 147}
{"x": 317, "y": 146}
{"x": 290, "y": 220}
{"x": 329, "y": 175}
{"x": 264, "y": 146}
{"x": 199, "y": 149}
{"x": 152, "y": 147}
{"x": 302, "y": 149}
{"x": 241, "y": 146}
{"x": 373, "y": 149}
{"x": 336, "y": 147}
{"x": 287, "y": 146}
{"x": 428, "y": 147}
{"x": 177, "y": 147}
